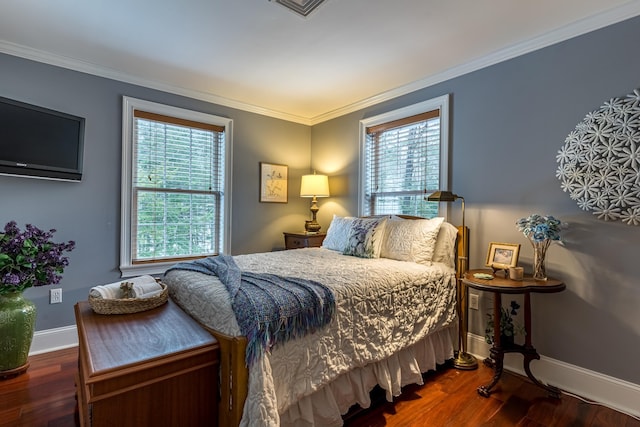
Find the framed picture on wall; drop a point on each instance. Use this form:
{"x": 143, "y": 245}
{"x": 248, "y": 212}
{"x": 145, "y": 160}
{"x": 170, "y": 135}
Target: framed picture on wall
{"x": 273, "y": 183}
{"x": 502, "y": 255}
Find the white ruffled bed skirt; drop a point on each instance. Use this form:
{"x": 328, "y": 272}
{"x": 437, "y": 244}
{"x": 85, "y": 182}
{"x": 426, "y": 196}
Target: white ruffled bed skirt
{"x": 326, "y": 406}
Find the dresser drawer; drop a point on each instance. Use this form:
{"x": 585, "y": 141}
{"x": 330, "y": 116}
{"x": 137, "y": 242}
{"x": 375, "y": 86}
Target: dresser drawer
{"x": 303, "y": 240}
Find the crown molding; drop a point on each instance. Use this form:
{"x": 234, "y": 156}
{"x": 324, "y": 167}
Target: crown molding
{"x": 567, "y": 32}
{"x": 575, "y": 29}
{"x": 100, "y": 71}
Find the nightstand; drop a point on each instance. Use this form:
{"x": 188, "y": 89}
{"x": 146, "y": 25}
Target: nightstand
{"x": 503, "y": 285}
{"x": 303, "y": 240}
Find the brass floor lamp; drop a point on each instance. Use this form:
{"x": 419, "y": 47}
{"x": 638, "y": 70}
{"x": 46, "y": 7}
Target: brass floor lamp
{"x": 463, "y": 360}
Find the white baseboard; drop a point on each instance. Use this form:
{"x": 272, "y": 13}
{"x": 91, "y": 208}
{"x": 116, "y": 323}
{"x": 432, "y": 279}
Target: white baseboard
{"x": 620, "y": 395}
{"x": 615, "y": 393}
{"x": 54, "y": 339}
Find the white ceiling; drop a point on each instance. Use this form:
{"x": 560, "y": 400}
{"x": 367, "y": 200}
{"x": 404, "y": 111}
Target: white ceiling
{"x": 259, "y": 56}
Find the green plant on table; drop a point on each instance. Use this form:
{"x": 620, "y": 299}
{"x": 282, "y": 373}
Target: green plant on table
{"x": 509, "y": 328}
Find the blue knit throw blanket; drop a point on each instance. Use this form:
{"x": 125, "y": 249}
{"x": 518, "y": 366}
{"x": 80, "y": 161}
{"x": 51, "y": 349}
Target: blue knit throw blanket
{"x": 270, "y": 309}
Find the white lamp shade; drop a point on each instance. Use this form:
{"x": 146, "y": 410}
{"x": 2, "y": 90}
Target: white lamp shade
{"x": 314, "y": 185}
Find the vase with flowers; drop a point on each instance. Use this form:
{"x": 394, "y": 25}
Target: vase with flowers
{"x": 27, "y": 258}
{"x": 541, "y": 231}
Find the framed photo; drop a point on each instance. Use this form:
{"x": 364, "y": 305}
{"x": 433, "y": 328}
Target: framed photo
{"x": 502, "y": 255}
{"x": 273, "y": 183}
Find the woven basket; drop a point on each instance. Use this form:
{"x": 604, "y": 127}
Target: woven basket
{"x": 128, "y": 305}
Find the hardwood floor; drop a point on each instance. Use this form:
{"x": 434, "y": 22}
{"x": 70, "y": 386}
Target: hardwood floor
{"x": 45, "y": 397}
{"x": 449, "y": 398}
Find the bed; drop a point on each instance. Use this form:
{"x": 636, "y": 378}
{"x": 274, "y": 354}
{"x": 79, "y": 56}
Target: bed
{"x": 395, "y": 318}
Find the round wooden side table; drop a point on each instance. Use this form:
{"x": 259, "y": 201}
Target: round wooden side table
{"x": 499, "y": 285}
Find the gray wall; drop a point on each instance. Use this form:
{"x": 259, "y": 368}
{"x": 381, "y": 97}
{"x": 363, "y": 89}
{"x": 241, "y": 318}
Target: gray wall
{"x": 508, "y": 122}
{"x": 89, "y": 212}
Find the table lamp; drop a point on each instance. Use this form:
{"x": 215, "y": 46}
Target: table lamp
{"x": 463, "y": 359}
{"x": 314, "y": 186}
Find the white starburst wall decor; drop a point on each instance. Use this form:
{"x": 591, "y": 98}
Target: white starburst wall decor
{"x": 599, "y": 163}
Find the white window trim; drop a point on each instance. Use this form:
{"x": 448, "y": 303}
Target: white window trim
{"x": 129, "y": 104}
{"x": 440, "y": 103}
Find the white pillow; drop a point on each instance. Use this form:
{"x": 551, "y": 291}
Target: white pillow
{"x": 411, "y": 240}
{"x": 366, "y": 237}
{"x": 445, "y": 245}
{"x": 338, "y": 233}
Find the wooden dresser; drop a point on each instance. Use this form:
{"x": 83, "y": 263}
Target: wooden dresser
{"x": 303, "y": 240}
{"x": 154, "y": 368}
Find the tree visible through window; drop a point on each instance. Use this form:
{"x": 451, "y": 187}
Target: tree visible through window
{"x": 403, "y": 160}
{"x": 177, "y": 187}
{"x": 176, "y": 197}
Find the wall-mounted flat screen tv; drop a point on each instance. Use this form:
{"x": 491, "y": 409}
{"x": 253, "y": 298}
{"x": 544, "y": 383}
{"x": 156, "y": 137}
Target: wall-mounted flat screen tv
{"x": 40, "y": 143}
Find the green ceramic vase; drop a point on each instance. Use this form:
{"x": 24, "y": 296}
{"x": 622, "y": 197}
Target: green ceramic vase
{"x": 17, "y": 322}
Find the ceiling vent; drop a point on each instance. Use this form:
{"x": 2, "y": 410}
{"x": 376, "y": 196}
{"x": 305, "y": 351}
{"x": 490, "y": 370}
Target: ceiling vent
{"x": 302, "y": 7}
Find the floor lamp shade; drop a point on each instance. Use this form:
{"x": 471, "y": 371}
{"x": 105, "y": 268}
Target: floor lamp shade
{"x": 314, "y": 186}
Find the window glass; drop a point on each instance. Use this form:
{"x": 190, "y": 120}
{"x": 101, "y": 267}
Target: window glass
{"x": 174, "y": 204}
{"x": 404, "y": 158}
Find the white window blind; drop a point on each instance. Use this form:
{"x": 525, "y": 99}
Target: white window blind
{"x": 402, "y": 164}
{"x": 178, "y": 188}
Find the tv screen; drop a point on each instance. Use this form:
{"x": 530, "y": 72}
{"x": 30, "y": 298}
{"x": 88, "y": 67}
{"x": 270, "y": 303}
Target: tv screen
{"x": 40, "y": 143}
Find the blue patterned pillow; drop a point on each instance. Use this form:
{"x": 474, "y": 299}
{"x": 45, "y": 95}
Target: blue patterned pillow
{"x": 366, "y": 236}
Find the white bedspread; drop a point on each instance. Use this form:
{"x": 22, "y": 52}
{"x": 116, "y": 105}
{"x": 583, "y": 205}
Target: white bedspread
{"x": 382, "y": 307}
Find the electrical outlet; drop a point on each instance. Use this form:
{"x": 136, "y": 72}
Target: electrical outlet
{"x": 55, "y": 296}
{"x": 473, "y": 301}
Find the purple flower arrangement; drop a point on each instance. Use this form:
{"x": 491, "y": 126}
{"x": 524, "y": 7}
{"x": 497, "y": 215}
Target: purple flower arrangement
{"x": 30, "y": 258}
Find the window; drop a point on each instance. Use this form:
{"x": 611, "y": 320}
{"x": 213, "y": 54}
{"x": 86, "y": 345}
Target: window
{"x": 403, "y": 158}
{"x": 175, "y": 176}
